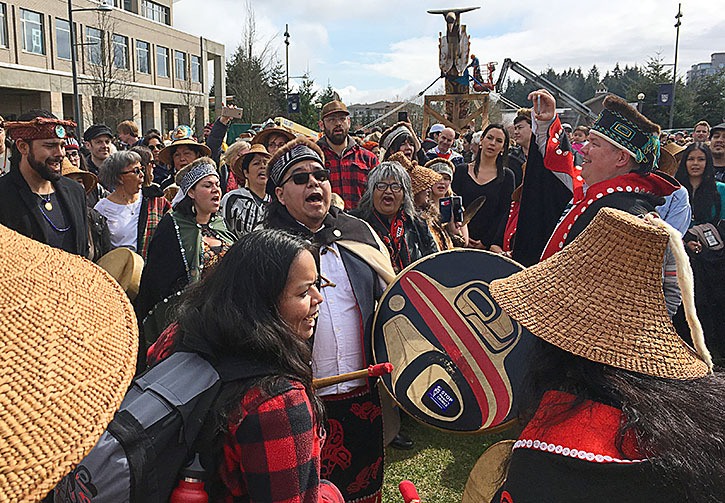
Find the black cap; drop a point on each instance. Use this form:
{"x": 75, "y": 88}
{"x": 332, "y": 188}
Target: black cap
{"x": 719, "y": 127}
{"x": 97, "y": 130}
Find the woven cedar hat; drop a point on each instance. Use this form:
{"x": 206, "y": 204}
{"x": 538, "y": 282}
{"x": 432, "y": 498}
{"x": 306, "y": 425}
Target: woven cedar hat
{"x": 90, "y": 181}
{"x": 264, "y": 135}
{"x": 601, "y": 298}
{"x": 420, "y": 178}
{"x": 256, "y": 149}
{"x": 182, "y": 135}
{"x": 67, "y": 355}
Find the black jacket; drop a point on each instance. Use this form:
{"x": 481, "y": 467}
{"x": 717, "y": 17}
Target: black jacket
{"x": 19, "y": 209}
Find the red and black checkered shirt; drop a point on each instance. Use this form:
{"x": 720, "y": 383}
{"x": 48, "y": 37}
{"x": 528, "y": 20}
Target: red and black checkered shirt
{"x": 349, "y": 173}
{"x": 272, "y": 451}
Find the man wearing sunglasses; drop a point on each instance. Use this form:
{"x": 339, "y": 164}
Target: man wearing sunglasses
{"x": 348, "y": 162}
{"x": 354, "y": 267}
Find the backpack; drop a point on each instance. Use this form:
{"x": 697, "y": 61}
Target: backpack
{"x": 151, "y": 437}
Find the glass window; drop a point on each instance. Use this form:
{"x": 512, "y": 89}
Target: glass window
{"x": 142, "y": 57}
{"x": 32, "y": 27}
{"x": 162, "y": 61}
{"x": 120, "y": 51}
{"x": 94, "y": 44}
{"x": 3, "y": 25}
{"x": 123, "y": 4}
{"x": 180, "y": 65}
{"x": 195, "y": 69}
{"x": 62, "y": 38}
{"x": 154, "y": 11}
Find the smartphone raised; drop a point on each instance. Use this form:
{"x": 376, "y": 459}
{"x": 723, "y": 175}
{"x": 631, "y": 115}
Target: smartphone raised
{"x": 233, "y": 112}
{"x": 457, "y": 208}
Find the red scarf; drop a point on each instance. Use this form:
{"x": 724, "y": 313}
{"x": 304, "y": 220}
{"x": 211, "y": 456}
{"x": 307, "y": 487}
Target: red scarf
{"x": 630, "y": 182}
{"x": 393, "y": 236}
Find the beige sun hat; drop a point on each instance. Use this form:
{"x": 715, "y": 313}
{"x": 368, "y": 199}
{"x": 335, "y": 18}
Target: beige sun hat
{"x": 489, "y": 473}
{"x": 601, "y": 298}
{"x": 67, "y": 355}
{"x": 125, "y": 266}
{"x": 264, "y": 135}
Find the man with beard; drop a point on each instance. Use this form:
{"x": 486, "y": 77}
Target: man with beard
{"x": 35, "y": 199}
{"x": 717, "y": 147}
{"x": 354, "y": 267}
{"x": 349, "y": 163}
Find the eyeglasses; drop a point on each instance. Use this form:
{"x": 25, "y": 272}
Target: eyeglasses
{"x": 154, "y": 147}
{"x": 394, "y": 186}
{"x": 135, "y": 171}
{"x": 335, "y": 118}
{"x": 71, "y": 153}
{"x": 321, "y": 175}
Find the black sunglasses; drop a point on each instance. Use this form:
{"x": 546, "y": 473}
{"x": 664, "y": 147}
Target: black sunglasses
{"x": 321, "y": 175}
{"x": 155, "y": 147}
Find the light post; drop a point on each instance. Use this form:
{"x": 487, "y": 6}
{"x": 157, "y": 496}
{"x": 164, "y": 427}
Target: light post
{"x": 640, "y": 102}
{"x": 286, "y": 59}
{"x": 674, "y": 70}
{"x": 104, "y": 7}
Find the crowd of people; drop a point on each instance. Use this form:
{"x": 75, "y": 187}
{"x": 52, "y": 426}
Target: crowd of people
{"x": 281, "y": 245}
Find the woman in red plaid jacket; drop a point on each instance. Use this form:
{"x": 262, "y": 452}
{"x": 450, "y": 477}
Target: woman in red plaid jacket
{"x": 257, "y": 309}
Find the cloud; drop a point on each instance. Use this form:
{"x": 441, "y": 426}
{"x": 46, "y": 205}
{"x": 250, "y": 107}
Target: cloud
{"x": 382, "y": 49}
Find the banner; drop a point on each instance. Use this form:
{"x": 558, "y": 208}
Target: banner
{"x": 664, "y": 94}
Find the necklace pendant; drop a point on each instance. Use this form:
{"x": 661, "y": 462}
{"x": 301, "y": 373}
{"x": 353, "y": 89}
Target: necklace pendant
{"x": 48, "y": 206}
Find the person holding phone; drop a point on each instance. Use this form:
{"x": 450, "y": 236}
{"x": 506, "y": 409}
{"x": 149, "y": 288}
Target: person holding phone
{"x": 448, "y": 205}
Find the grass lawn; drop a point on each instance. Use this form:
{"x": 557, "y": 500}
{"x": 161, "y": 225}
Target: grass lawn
{"x": 438, "y": 465}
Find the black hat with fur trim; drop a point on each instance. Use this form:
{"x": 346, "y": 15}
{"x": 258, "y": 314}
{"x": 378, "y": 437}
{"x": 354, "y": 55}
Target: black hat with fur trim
{"x": 624, "y": 127}
{"x": 392, "y": 133}
{"x": 291, "y": 153}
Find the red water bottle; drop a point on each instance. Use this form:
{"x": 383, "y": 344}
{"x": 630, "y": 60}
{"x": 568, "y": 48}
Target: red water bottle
{"x": 191, "y": 484}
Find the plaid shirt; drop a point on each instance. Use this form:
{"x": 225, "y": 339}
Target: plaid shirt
{"x": 152, "y": 209}
{"x": 272, "y": 451}
{"x": 349, "y": 173}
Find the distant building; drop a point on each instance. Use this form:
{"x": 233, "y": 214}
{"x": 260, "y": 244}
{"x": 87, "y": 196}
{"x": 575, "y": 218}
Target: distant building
{"x": 159, "y": 73}
{"x": 364, "y": 113}
{"x": 699, "y": 70}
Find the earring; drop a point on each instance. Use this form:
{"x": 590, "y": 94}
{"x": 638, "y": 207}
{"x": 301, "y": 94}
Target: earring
{"x": 193, "y": 209}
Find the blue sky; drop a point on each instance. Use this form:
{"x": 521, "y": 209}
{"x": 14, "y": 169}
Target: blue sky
{"x": 383, "y": 49}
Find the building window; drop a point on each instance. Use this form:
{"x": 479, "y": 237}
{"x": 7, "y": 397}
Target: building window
{"x": 154, "y": 11}
{"x": 195, "y": 69}
{"x": 62, "y": 38}
{"x": 123, "y": 4}
{"x": 142, "y": 57}
{"x": 180, "y": 65}
{"x": 120, "y": 51}
{"x": 94, "y": 43}
{"x": 3, "y": 26}
{"x": 32, "y": 27}
{"x": 162, "y": 61}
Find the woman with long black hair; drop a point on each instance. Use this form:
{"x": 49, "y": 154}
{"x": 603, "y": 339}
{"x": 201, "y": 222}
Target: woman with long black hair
{"x": 487, "y": 177}
{"x": 616, "y": 406}
{"x": 257, "y": 309}
{"x": 697, "y": 174}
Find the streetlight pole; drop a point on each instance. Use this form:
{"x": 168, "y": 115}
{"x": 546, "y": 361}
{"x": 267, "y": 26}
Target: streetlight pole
{"x": 74, "y": 62}
{"x": 286, "y": 59}
{"x": 674, "y": 69}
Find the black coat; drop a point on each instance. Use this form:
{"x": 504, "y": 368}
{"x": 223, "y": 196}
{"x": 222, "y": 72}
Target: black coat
{"x": 19, "y": 209}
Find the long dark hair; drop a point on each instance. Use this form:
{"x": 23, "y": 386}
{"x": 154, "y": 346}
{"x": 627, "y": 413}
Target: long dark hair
{"x": 233, "y": 312}
{"x": 501, "y": 160}
{"x": 678, "y": 424}
{"x": 706, "y": 197}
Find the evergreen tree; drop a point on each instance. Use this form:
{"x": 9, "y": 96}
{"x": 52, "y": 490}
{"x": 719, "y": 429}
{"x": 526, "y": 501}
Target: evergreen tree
{"x": 309, "y": 113}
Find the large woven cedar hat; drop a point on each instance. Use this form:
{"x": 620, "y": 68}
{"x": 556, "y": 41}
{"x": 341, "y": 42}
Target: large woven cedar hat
{"x": 420, "y": 178}
{"x": 601, "y": 298}
{"x": 182, "y": 135}
{"x": 67, "y": 355}
{"x": 264, "y": 135}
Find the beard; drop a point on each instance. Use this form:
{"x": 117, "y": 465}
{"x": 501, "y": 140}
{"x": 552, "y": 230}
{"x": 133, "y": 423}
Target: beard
{"x": 336, "y": 138}
{"x": 42, "y": 168}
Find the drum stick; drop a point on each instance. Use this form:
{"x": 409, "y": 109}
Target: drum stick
{"x": 409, "y": 492}
{"x": 371, "y": 371}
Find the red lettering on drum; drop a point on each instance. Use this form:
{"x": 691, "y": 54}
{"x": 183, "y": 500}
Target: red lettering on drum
{"x": 414, "y": 281}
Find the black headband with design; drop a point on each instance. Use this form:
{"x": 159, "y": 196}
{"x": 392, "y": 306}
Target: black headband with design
{"x": 293, "y": 156}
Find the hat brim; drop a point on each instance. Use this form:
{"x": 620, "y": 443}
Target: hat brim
{"x": 263, "y": 136}
{"x": 489, "y": 473}
{"x": 166, "y": 152}
{"x": 70, "y": 337}
{"x": 237, "y": 166}
{"x": 601, "y": 298}
{"x": 125, "y": 266}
